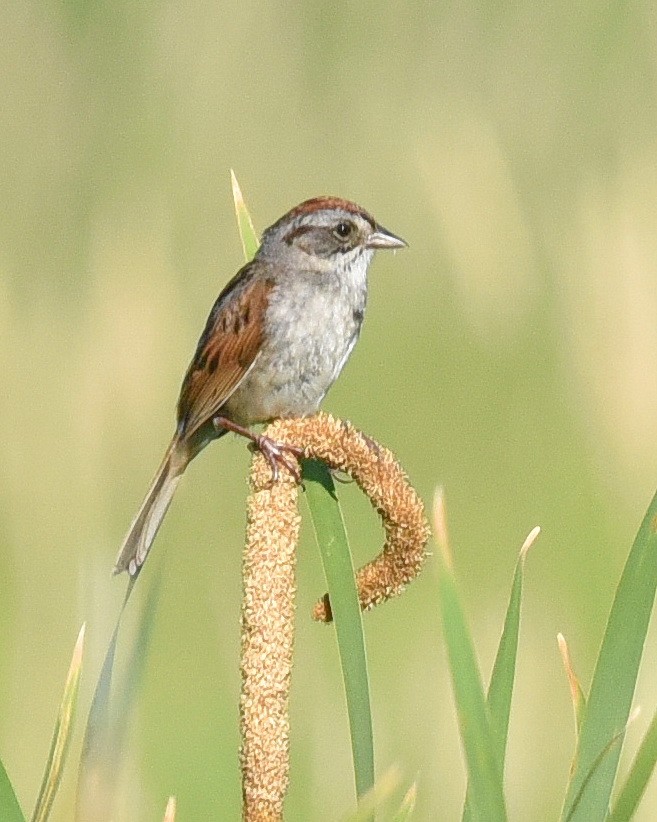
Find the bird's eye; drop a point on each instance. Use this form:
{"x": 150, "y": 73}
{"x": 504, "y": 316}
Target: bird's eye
{"x": 343, "y": 230}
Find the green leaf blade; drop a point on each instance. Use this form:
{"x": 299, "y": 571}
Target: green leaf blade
{"x": 10, "y": 810}
{"x": 107, "y": 724}
{"x": 61, "y": 736}
{"x": 577, "y": 695}
{"x": 248, "y": 236}
{"x": 500, "y": 691}
{"x": 93, "y": 795}
{"x": 334, "y": 548}
{"x": 638, "y": 777}
{"x": 612, "y": 689}
{"x": 407, "y": 807}
{"x": 486, "y": 797}
{"x": 170, "y": 811}
{"x": 375, "y": 799}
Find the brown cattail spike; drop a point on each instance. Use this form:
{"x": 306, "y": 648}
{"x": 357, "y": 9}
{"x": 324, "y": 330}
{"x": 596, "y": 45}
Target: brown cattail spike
{"x": 269, "y": 586}
{"x": 267, "y": 636}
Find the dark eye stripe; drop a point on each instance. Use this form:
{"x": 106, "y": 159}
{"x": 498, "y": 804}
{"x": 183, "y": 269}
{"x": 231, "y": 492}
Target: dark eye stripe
{"x": 298, "y": 231}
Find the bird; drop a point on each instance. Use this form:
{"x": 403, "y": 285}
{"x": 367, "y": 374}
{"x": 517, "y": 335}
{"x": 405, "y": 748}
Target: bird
{"x": 275, "y": 341}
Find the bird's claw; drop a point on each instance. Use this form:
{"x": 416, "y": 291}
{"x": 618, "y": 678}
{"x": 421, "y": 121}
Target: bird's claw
{"x": 272, "y": 450}
{"x": 276, "y": 455}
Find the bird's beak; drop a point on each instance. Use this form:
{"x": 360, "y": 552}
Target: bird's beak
{"x": 382, "y": 238}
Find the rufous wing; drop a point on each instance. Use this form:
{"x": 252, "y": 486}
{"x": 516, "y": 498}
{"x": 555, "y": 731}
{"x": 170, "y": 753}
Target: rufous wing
{"x": 226, "y": 352}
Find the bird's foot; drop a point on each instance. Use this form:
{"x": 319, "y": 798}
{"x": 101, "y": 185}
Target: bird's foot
{"x": 276, "y": 453}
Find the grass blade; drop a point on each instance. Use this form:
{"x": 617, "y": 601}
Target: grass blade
{"x": 107, "y": 725}
{"x": 614, "y": 742}
{"x": 10, "y": 810}
{"x": 500, "y": 690}
{"x": 136, "y": 662}
{"x": 248, "y": 236}
{"x": 338, "y": 567}
{"x": 486, "y": 798}
{"x": 407, "y": 806}
{"x": 376, "y": 797}
{"x": 61, "y": 736}
{"x": 170, "y": 812}
{"x": 576, "y": 693}
{"x": 614, "y": 680}
{"x": 501, "y": 684}
{"x": 91, "y": 790}
{"x": 92, "y": 798}
{"x": 638, "y": 777}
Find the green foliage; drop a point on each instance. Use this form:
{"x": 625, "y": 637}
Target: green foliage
{"x": 61, "y": 736}
{"x": 10, "y": 810}
{"x": 610, "y": 698}
{"x": 501, "y": 682}
{"x": 638, "y": 777}
{"x": 482, "y": 755}
{"x": 500, "y": 690}
{"x": 378, "y": 796}
{"x": 248, "y": 236}
{"x": 407, "y": 806}
{"x": 104, "y": 739}
{"x": 577, "y": 695}
{"x": 604, "y": 716}
{"x": 333, "y": 544}
{"x": 97, "y": 771}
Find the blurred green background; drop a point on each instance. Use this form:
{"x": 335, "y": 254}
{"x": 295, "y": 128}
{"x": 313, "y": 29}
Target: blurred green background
{"x": 510, "y": 354}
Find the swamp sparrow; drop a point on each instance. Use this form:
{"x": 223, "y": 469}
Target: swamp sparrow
{"x": 275, "y": 341}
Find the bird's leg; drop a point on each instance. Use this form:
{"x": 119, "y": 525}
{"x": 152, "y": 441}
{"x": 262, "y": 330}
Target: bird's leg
{"x": 274, "y": 452}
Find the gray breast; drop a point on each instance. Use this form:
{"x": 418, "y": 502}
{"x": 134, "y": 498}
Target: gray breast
{"x": 312, "y": 326}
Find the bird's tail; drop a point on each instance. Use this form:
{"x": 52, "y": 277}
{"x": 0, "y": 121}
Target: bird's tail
{"x": 141, "y": 534}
